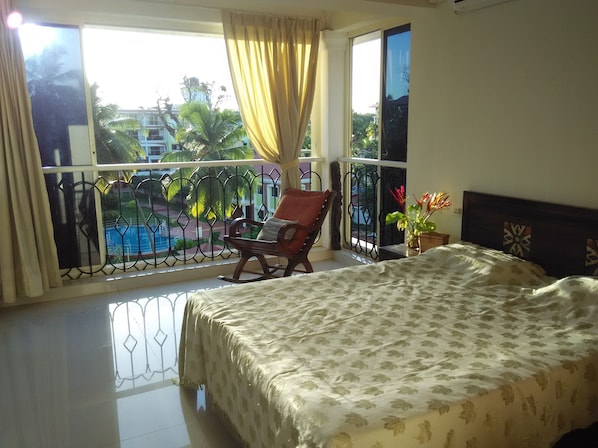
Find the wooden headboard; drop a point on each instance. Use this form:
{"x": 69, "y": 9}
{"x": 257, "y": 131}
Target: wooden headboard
{"x": 560, "y": 238}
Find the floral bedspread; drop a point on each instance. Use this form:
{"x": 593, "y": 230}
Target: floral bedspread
{"x": 459, "y": 347}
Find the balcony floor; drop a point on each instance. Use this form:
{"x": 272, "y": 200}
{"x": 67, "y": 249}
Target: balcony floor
{"x": 99, "y": 371}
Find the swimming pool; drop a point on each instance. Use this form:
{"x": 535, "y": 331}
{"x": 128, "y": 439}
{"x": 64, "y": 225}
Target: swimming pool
{"x": 135, "y": 239}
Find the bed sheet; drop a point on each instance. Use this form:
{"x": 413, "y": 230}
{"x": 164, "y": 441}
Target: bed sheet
{"x": 459, "y": 347}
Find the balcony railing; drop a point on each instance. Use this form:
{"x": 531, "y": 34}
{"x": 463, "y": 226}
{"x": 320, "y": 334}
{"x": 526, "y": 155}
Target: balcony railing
{"x": 112, "y": 219}
{"x": 366, "y": 184}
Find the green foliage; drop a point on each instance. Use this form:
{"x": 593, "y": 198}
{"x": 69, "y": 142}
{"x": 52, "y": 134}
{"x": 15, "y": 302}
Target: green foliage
{"x": 365, "y": 136}
{"x": 206, "y": 133}
{"x": 185, "y": 243}
{"x": 307, "y": 140}
{"x": 110, "y": 202}
{"x": 110, "y": 215}
{"x": 113, "y": 143}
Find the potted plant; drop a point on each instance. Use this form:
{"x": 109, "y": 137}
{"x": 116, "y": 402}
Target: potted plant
{"x": 415, "y": 218}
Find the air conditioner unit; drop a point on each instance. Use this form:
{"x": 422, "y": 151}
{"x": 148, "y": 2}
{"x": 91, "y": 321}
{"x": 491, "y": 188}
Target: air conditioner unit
{"x": 462, "y": 6}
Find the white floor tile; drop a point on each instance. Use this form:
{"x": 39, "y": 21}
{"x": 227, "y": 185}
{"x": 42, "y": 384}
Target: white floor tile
{"x": 98, "y": 372}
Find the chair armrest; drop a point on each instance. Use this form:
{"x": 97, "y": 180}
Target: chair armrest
{"x": 235, "y": 225}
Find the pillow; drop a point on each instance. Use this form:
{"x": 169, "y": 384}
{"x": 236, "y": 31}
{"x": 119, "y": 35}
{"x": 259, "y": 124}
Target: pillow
{"x": 271, "y": 227}
{"x": 479, "y": 265}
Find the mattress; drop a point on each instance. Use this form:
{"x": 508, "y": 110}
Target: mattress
{"x": 461, "y": 346}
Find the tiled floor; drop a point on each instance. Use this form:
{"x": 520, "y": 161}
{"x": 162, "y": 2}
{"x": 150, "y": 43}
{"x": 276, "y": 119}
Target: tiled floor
{"x": 99, "y": 372}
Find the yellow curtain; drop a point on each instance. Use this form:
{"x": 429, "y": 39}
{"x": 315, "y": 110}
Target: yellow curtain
{"x": 28, "y": 257}
{"x": 273, "y": 63}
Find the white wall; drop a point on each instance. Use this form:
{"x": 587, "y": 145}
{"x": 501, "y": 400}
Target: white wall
{"x": 505, "y": 101}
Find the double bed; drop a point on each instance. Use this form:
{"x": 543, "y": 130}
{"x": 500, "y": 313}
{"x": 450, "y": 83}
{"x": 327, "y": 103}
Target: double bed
{"x": 488, "y": 342}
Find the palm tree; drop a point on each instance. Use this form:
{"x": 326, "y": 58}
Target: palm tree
{"x": 208, "y": 133}
{"x": 113, "y": 143}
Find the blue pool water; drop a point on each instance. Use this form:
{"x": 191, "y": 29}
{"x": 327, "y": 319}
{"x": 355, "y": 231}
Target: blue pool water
{"x": 135, "y": 239}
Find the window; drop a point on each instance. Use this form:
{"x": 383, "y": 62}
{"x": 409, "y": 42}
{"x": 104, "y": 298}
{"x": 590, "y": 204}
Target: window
{"x": 368, "y": 91}
{"x": 126, "y": 87}
{"x": 380, "y": 64}
{"x": 55, "y": 80}
{"x": 151, "y": 88}
{"x": 155, "y": 134}
{"x": 394, "y": 119}
{"x": 156, "y": 150}
{"x": 152, "y": 120}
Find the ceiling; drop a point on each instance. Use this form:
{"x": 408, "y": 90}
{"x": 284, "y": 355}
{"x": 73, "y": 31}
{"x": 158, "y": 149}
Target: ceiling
{"x": 205, "y": 15}
{"x": 337, "y": 14}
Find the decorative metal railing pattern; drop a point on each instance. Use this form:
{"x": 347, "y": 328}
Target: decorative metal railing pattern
{"x": 366, "y": 184}
{"x": 112, "y": 219}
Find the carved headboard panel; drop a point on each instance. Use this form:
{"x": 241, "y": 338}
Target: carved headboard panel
{"x": 560, "y": 238}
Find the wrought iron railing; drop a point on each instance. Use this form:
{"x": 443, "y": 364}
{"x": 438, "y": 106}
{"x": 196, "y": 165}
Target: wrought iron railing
{"x": 366, "y": 184}
{"x": 112, "y": 219}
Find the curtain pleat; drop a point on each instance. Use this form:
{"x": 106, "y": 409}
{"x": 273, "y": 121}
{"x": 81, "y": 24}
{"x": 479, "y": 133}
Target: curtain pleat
{"x": 273, "y": 62}
{"x": 28, "y": 256}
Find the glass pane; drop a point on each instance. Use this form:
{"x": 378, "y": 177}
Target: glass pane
{"x": 149, "y": 90}
{"x": 55, "y": 80}
{"x": 395, "y": 102}
{"x": 365, "y": 95}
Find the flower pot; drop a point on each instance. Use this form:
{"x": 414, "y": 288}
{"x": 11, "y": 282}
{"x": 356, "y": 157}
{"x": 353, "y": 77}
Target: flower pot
{"x": 428, "y": 240}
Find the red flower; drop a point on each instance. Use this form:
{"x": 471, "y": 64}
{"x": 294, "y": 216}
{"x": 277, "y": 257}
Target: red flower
{"x": 399, "y": 196}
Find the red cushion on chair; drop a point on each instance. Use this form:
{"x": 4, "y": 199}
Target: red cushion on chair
{"x": 303, "y": 207}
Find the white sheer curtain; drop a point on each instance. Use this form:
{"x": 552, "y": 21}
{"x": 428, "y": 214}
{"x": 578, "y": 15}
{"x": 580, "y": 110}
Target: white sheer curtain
{"x": 273, "y": 63}
{"x": 28, "y": 257}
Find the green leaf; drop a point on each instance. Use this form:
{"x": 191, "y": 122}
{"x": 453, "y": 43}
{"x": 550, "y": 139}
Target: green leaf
{"x": 394, "y": 217}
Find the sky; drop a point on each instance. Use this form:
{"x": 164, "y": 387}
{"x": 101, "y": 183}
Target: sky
{"x": 133, "y": 69}
{"x": 365, "y": 83}
{"x": 366, "y": 55}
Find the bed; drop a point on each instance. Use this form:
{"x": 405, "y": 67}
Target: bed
{"x": 471, "y": 344}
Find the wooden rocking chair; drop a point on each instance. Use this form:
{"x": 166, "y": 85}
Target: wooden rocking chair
{"x": 290, "y": 234}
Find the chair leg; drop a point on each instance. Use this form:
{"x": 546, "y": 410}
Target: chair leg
{"x": 264, "y": 263}
{"x": 293, "y": 264}
{"x": 239, "y": 268}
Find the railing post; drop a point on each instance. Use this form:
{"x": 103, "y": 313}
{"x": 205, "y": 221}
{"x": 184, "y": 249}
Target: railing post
{"x": 335, "y": 210}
